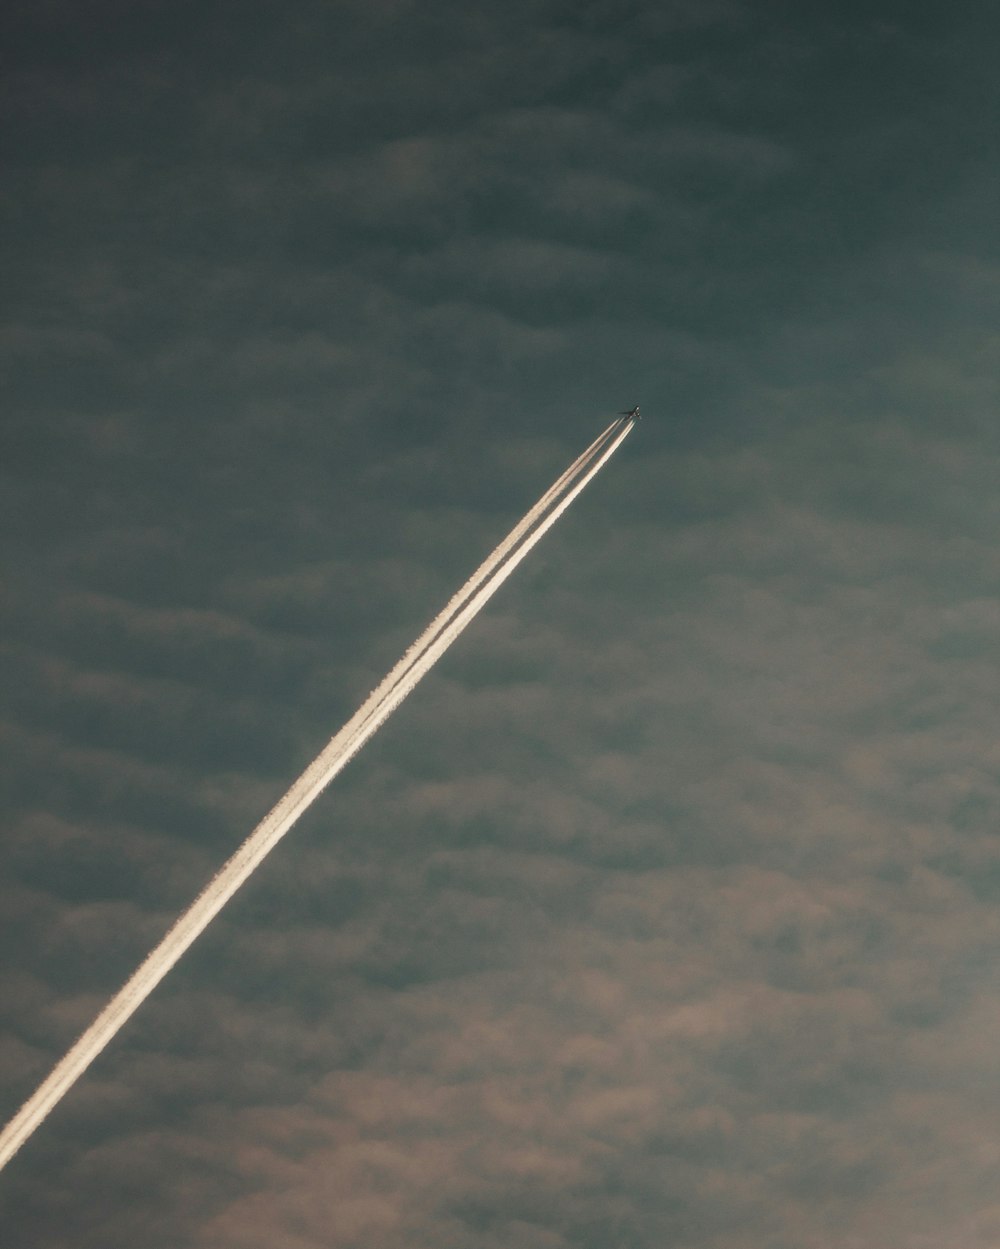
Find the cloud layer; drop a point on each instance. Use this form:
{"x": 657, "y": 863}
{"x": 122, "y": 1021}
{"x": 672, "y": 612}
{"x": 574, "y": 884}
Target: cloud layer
{"x": 666, "y": 912}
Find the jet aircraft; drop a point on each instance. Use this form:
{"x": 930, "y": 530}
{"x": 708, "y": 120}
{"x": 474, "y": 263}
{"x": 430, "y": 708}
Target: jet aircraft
{"x": 633, "y": 412}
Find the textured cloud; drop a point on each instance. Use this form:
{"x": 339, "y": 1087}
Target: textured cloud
{"x": 665, "y": 914}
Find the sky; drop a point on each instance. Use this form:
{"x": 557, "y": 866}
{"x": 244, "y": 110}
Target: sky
{"x": 664, "y": 914}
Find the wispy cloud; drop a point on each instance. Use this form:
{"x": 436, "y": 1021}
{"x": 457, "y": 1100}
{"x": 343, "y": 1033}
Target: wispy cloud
{"x": 667, "y": 912}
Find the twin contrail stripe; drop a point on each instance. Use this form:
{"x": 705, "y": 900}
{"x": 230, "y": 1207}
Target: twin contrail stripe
{"x": 482, "y": 573}
{"x": 438, "y": 637}
{"x": 415, "y": 664}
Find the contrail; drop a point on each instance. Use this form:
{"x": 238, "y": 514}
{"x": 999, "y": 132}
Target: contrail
{"x": 415, "y": 664}
{"x": 442, "y": 631}
{"x": 485, "y": 570}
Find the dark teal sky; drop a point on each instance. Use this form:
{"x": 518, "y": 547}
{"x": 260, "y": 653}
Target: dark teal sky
{"x": 665, "y": 912}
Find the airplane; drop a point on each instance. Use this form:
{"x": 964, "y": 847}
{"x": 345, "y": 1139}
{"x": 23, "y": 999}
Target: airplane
{"x": 633, "y": 412}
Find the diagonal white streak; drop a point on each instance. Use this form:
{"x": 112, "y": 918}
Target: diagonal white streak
{"x": 433, "y": 652}
{"x": 380, "y": 704}
{"x": 485, "y": 570}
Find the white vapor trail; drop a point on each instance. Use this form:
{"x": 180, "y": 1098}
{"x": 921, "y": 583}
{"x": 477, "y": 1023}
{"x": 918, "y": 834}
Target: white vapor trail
{"x": 379, "y": 705}
{"x": 482, "y": 573}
